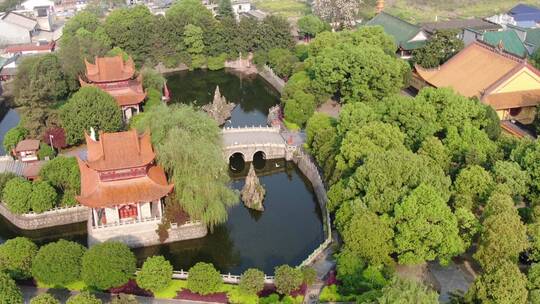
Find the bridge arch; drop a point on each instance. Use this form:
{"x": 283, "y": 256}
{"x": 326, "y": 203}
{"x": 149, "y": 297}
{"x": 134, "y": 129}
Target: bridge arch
{"x": 237, "y": 161}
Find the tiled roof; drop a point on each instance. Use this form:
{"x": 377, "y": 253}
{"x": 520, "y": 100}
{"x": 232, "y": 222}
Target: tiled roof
{"x": 509, "y": 39}
{"x": 17, "y": 48}
{"x": 533, "y": 37}
{"x": 524, "y": 9}
{"x": 27, "y": 145}
{"x": 119, "y": 150}
{"x": 460, "y": 24}
{"x": 131, "y": 94}
{"x": 19, "y": 20}
{"x": 472, "y": 71}
{"x": 402, "y": 31}
{"x": 107, "y": 69}
{"x": 96, "y": 193}
{"x": 513, "y": 99}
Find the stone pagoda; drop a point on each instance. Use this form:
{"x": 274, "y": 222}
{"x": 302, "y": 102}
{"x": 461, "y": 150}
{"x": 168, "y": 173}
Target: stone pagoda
{"x": 220, "y": 110}
{"x": 253, "y": 192}
{"x": 116, "y": 77}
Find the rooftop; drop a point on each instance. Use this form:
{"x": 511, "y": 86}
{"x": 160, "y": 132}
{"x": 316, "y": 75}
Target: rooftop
{"x": 460, "y": 24}
{"x": 27, "y": 145}
{"x": 402, "y": 31}
{"x": 19, "y": 20}
{"x": 108, "y": 69}
{"x": 509, "y": 39}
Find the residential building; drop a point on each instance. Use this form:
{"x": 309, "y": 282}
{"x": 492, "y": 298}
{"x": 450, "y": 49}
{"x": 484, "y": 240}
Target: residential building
{"x": 27, "y": 150}
{"x": 116, "y": 77}
{"x": 407, "y": 36}
{"x": 529, "y": 36}
{"x": 497, "y": 78}
{"x": 122, "y": 185}
{"x": 16, "y": 28}
{"x": 460, "y": 25}
{"x": 521, "y": 15}
{"x": 29, "y": 49}
{"x": 507, "y": 40}
{"x": 239, "y": 7}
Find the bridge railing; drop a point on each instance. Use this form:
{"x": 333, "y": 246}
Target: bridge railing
{"x": 227, "y": 278}
{"x": 250, "y": 129}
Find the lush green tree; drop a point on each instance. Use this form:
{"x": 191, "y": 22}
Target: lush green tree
{"x": 369, "y": 237}
{"x": 45, "y": 298}
{"x": 251, "y": 281}
{"x": 16, "y": 256}
{"x": 322, "y": 141}
{"x": 535, "y": 59}
{"x": 353, "y": 73}
{"x": 386, "y": 178}
{"x": 204, "y": 279}
{"x": 155, "y": 274}
{"x": 9, "y": 292}
{"x": 58, "y": 263}
{"x": 287, "y": 279}
{"x": 188, "y": 145}
{"x": 282, "y": 62}
{"x": 439, "y": 48}
{"x": 533, "y": 232}
{"x": 193, "y": 39}
{"x": 401, "y": 291}
{"x": 89, "y": 108}
{"x": 426, "y": 228}
{"x": 504, "y": 236}
{"x": 43, "y": 197}
{"x": 309, "y": 274}
{"x": 533, "y": 277}
{"x": 45, "y": 151}
{"x": 83, "y": 19}
{"x": 4, "y": 178}
{"x": 473, "y": 186}
{"x": 274, "y": 32}
{"x": 503, "y": 284}
{"x": 186, "y": 12}
{"x": 152, "y": 79}
{"x": 299, "y": 81}
{"x": 468, "y": 225}
{"x": 108, "y": 265}
{"x": 510, "y": 173}
{"x": 225, "y": 9}
{"x": 299, "y": 108}
{"x": 16, "y": 195}
{"x": 83, "y": 298}
{"x": 132, "y": 29}
{"x": 355, "y": 115}
{"x": 527, "y": 154}
{"x": 310, "y": 25}
{"x": 365, "y": 141}
{"x": 433, "y": 148}
{"x": 12, "y": 137}
{"x": 470, "y": 146}
{"x": 40, "y": 81}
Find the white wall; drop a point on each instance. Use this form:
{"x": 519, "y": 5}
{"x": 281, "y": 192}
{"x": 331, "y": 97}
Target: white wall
{"x": 145, "y": 210}
{"x": 111, "y": 214}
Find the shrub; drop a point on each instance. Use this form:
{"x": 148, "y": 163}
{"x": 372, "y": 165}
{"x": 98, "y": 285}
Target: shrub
{"x": 13, "y": 137}
{"x": 16, "y": 195}
{"x": 44, "y": 299}
{"x": 58, "y": 137}
{"x": 155, "y": 274}
{"x": 251, "y": 281}
{"x": 153, "y": 99}
{"x": 16, "y": 257}
{"x": 62, "y": 172}
{"x": 204, "y": 279}
{"x": 43, "y": 197}
{"x": 287, "y": 279}
{"x": 217, "y": 62}
{"x": 9, "y": 292}
{"x": 83, "y": 298}
{"x": 152, "y": 79}
{"x": 108, "y": 265}
{"x": 124, "y": 299}
{"x": 271, "y": 299}
{"x": 58, "y": 263}
{"x": 300, "y": 107}
{"x": 4, "y": 178}
{"x": 45, "y": 151}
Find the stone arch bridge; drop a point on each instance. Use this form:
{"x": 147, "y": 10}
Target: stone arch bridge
{"x": 250, "y": 140}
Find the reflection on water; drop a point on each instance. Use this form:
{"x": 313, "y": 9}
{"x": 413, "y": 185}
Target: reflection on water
{"x": 252, "y": 94}
{"x": 10, "y": 120}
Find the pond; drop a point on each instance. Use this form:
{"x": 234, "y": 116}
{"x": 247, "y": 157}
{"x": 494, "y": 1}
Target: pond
{"x": 252, "y": 94}
{"x": 9, "y": 120}
{"x": 289, "y": 229}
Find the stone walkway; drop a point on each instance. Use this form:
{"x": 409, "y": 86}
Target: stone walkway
{"x": 322, "y": 265}
{"x": 62, "y": 295}
{"x": 451, "y": 279}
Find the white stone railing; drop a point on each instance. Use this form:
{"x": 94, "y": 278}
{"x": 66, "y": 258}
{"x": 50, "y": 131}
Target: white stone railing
{"x": 245, "y": 129}
{"x": 54, "y": 211}
{"x": 227, "y": 278}
{"x": 128, "y": 222}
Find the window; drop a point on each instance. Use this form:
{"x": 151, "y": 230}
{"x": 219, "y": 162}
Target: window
{"x": 515, "y": 111}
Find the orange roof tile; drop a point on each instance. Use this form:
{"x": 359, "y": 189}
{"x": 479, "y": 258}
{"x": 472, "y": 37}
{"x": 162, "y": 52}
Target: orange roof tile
{"x": 106, "y": 69}
{"x": 119, "y": 150}
{"x": 472, "y": 71}
{"x": 96, "y": 193}
{"x": 513, "y": 99}
{"x": 27, "y": 145}
{"x": 131, "y": 94}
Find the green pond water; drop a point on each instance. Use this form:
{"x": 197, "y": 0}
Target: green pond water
{"x": 289, "y": 229}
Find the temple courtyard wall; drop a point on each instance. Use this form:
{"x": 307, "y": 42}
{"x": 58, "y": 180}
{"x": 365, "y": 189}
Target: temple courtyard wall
{"x": 47, "y": 219}
{"x": 144, "y": 234}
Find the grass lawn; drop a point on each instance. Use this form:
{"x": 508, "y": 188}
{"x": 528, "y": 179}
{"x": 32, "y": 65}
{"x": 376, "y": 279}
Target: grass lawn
{"x": 77, "y": 285}
{"x": 285, "y": 8}
{"x": 171, "y": 290}
{"x": 425, "y": 11}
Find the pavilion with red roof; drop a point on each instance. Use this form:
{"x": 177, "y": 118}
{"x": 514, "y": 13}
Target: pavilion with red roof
{"x": 116, "y": 77}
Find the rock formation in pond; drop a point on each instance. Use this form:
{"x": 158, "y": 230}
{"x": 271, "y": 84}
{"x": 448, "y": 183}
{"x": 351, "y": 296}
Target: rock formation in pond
{"x": 253, "y": 192}
{"x": 220, "y": 110}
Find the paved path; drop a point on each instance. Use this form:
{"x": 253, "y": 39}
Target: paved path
{"x": 62, "y": 295}
{"x": 323, "y": 265}
{"x": 250, "y": 136}
{"x": 450, "y": 278}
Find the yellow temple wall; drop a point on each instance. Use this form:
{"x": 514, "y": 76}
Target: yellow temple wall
{"x": 522, "y": 81}
{"x": 526, "y": 116}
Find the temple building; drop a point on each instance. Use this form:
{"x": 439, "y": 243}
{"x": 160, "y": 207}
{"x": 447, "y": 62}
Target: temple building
{"x": 506, "y": 82}
{"x": 117, "y": 77}
{"x": 125, "y": 189}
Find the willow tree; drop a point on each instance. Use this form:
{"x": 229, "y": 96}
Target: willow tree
{"x": 188, "y": 146}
